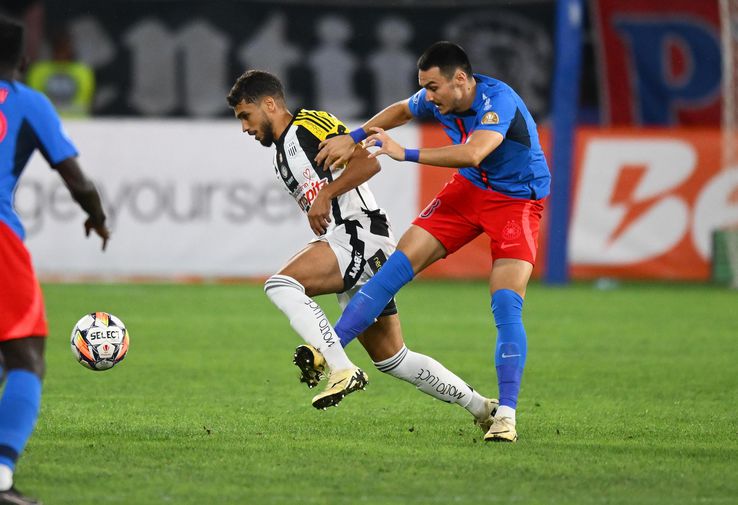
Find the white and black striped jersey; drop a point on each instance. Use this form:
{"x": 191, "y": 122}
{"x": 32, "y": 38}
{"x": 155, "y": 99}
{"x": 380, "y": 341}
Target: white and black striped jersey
{"x": 295, "y": 166}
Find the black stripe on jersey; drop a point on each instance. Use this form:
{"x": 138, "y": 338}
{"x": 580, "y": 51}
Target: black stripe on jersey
{"x": 518, "y": 130}
{"x": 378, "y": 224}
{"x": 313, "y": 121}
{"x": 309, "y": 144}
{"x": 361, "y": 197}
{"x": 321, "y": 120}
{"x": 358, "y": 262}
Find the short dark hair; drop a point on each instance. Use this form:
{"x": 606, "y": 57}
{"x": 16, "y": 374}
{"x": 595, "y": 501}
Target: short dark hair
{"x": 11, "y": 42}
{"x": 253, "y": 85}
{"x": 447, "y": 56}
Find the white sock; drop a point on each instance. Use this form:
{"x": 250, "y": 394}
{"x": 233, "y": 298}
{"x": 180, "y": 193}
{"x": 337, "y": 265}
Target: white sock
{"x": 6, "y": 478}
{"x": 432, "y": 378}
{"x": 307, "y": 319}
{"x": 505, "y": 411}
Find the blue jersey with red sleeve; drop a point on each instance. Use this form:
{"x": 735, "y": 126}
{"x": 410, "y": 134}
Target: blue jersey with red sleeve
{"x": 28, "y": 122}
{"x": 517, "y": 167}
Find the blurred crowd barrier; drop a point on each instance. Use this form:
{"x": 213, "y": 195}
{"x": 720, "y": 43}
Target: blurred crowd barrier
{"x": 645, "y": 63}
{"x": 200, "y": 200}
{"x": 180, "y": 57}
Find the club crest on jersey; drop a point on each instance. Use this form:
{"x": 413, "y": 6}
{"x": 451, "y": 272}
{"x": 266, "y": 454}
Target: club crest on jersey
{"x": 491, "y": 118}
{"x": 511, "y": 231}
{"x": 284, "y": 171}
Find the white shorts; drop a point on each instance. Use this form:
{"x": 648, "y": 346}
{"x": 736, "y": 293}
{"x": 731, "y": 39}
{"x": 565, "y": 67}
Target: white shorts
{"x": 360, "y": 253}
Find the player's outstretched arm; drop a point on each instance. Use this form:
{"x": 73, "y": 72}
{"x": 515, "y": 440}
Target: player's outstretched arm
{"x": 336, "y": 151}
{"x": 360, "y": 169}
{"x": 85, "y": 194}
{"x": 480, "y": 144}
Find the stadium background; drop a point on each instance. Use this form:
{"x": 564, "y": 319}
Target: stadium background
{"x": 647, "y": 183}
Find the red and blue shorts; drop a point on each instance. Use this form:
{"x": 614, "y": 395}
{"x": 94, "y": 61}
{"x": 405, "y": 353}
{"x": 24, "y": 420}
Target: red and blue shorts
{"x": 462, "y": 211}
{"x": 21, "y": 302}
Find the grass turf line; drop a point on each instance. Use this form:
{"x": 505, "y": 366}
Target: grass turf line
{"x": 629, "y": 397}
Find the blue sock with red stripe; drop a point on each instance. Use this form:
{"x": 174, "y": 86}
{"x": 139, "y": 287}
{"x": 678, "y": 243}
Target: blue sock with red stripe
{"x": 19, "y": 409}
{"x": 373, "y": 297}
{"x": 507, "y": 307}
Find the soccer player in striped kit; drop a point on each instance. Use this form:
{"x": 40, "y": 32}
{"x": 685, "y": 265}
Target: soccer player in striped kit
{"x": 498, "y": 190}
{"x": 353, "y": 239}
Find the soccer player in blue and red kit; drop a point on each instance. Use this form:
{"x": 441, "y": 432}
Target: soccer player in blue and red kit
{"x": 498, "y": 190}
{"x": 27, "y": 122}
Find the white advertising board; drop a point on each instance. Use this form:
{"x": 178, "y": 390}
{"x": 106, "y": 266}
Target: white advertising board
{"x": 183, "y": 199}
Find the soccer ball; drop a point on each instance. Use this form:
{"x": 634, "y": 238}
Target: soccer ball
{"x": 99, "y": 341}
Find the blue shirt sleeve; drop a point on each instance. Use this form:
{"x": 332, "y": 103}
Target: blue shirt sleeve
{"x": 53, "y": 141}
{"x": 497, "y": 114}
{"x": 419, "y": 106}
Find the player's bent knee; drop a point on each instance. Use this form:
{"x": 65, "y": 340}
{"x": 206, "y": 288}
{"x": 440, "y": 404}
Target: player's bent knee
{"x": 277, "y": 281}
{"x": 507, "y": 306}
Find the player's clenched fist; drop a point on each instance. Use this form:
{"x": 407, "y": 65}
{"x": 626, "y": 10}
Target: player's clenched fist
{"x": 319, "y": 215}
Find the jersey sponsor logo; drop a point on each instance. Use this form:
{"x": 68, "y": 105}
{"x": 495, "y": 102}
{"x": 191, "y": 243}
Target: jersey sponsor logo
{"x": 376, "y": 261}
{"x": 511, "y": 231}
{"x": 647, "y": 204}
{"x": 310, "y": 192}
{"x": 356, "y": 268}
{"x": 508, "y": 245}
{"x": 377, "y": 264}
{"x": 308, "y": 173}
{"x": 491, "y": 118}
{"x": 430, "y": 209}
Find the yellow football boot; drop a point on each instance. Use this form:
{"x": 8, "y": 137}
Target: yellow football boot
{"x": 340, "y": 384}
{"x": 311, "y": 364}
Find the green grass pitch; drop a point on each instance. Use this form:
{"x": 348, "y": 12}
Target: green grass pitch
{"x": 630, "y": 396}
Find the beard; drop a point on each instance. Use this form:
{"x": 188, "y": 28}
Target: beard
{"x": 268, "y": 130}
